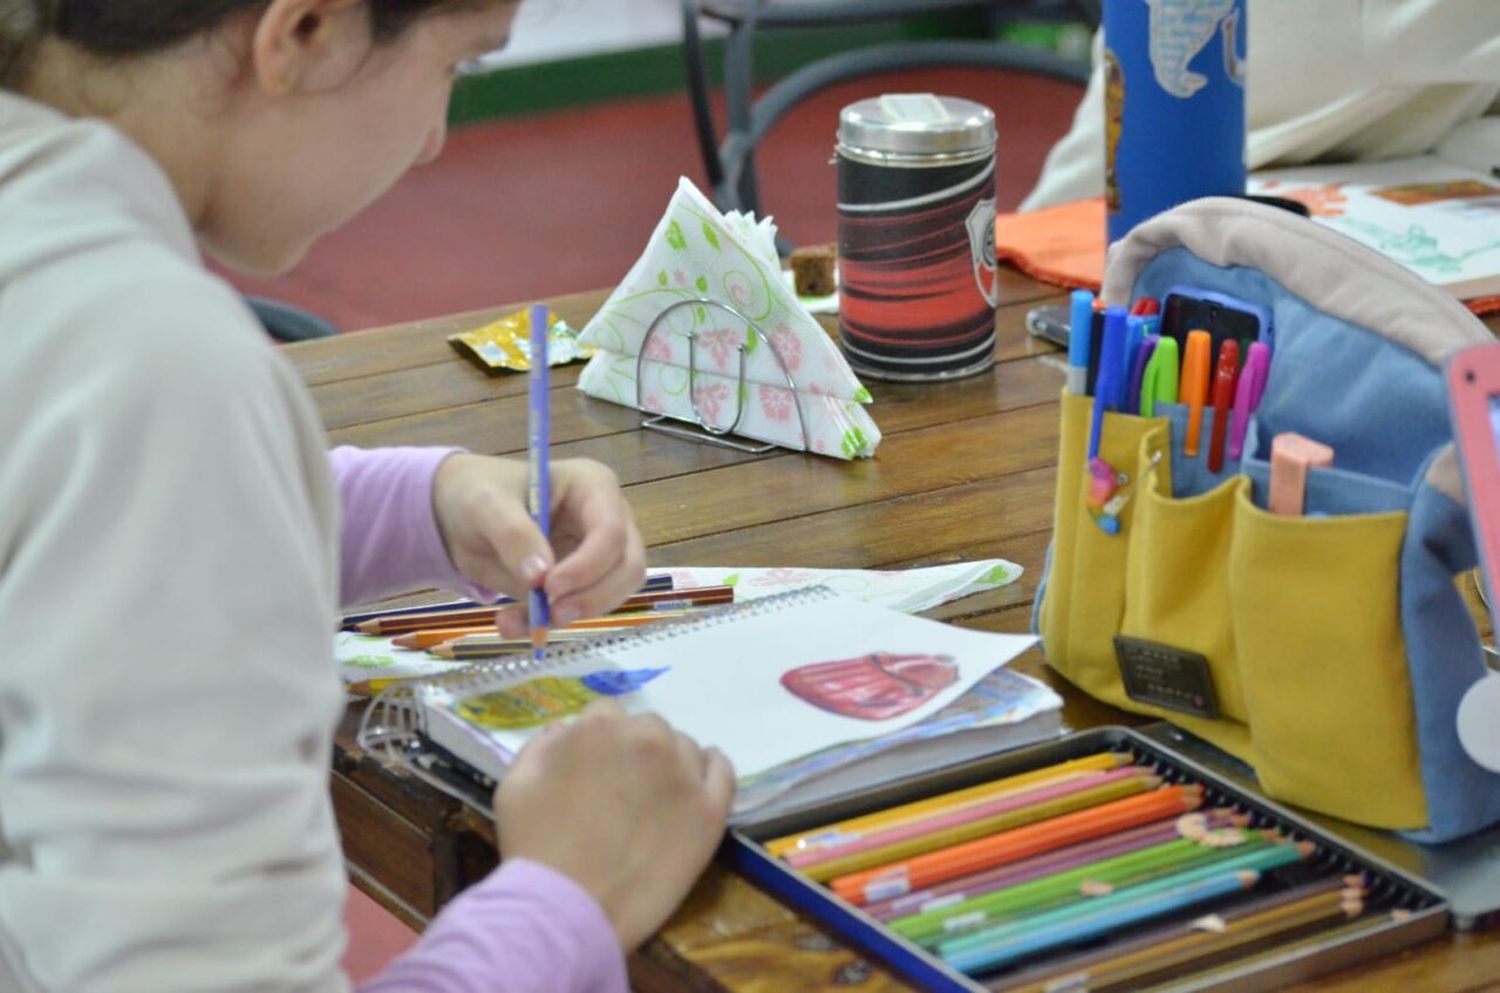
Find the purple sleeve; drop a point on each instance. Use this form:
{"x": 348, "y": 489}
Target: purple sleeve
{"x": 524, "y": 929}
{"x": 391, "y": 543}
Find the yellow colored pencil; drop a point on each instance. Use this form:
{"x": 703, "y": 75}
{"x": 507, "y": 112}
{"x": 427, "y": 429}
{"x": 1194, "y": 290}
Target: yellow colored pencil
{"x": 891, "y": 817}
{"x": 984, "y": 827}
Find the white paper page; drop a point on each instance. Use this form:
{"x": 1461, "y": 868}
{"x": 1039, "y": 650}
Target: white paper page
{"x": 723, "y": 684}
{"x": 1448, "y": 232}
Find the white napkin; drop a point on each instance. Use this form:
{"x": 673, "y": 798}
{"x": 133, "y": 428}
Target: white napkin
{"x": 697, "y": 253}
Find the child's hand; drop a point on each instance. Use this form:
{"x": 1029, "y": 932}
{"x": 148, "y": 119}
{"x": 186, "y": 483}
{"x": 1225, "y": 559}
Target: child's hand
{"x": 624, "y": 806}
{"x": 596, "y": 558}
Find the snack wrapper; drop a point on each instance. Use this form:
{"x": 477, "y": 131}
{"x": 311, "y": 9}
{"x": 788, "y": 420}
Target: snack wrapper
{"x": 506, "y": 343}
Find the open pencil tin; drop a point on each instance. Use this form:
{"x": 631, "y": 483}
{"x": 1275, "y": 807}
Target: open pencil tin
{"x": 1400, "y": 910}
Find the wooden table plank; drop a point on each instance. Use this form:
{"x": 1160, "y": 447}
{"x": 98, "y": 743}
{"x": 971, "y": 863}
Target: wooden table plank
{"x": 966, "y": 471}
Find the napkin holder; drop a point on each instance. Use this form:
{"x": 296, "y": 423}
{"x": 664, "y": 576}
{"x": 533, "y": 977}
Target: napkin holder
{"x": 704, "y": 428}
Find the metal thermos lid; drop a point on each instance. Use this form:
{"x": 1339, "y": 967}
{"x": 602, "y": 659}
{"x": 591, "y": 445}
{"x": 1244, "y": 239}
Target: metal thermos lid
{"x": 917, "y": 124}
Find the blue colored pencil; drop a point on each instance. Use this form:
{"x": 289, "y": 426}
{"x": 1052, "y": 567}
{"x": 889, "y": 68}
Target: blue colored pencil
{"x": 1257, "y": 859}
{"x": 993, "y": 955}
{"x": 538, "y": 492}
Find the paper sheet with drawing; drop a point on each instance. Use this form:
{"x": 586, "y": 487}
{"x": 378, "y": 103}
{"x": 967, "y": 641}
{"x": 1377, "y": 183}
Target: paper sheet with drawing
{"x": 765, "y": 682}
{"x": 1437, "y": 219}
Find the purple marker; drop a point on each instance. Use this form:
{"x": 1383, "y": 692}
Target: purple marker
{"x": 1138, "y": 372}
{"x": 1247, "y": 394}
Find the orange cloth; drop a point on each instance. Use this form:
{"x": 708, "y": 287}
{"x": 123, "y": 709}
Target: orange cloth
{"x": 1062, "y": 244}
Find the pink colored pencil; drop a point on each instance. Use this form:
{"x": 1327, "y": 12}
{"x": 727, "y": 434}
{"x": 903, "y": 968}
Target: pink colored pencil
{"x": 962, "y": 815}
{"x": 1047, "y": 864}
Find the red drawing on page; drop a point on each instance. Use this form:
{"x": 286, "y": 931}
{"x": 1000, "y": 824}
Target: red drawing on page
{"x": 873, "y": 687}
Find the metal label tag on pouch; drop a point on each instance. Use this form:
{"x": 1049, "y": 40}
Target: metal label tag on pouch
{"x": 1167, "y": 677}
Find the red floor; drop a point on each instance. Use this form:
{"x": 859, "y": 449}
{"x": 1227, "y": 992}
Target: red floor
{"x": 531, "y": 207}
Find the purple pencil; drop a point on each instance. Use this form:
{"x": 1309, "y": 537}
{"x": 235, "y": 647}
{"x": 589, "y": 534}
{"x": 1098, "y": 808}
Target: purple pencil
{"x": 538, "y": 490}
{"x": 1047, "y": 864}
{"x": 964, "y": 815}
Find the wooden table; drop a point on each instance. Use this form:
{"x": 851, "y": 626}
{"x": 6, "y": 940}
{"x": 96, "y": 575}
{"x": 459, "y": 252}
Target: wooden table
{"x": 966, "y": 471}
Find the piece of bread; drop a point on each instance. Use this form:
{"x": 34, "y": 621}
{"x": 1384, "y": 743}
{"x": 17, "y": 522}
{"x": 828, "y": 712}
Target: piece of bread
{"x": 812, "y": 270}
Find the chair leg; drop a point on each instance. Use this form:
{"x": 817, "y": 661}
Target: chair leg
{"x": 697, "y": 87}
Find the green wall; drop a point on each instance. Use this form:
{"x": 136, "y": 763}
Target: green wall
{"x": 641, "y": 72}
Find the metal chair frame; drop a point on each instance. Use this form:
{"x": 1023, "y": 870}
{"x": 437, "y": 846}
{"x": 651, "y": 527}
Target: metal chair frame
{"x": 730, "y": 163}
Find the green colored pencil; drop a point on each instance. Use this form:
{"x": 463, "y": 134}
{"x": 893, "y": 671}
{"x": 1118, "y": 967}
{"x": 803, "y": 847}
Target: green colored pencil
{"x": 1262, "y": 860}
{"x": 1121, "y": 871}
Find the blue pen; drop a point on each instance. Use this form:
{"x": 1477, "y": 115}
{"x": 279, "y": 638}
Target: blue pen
{"x": 1109, "y": 389}
{"x": 1116, "y": 337}
{"x": 1135, "y": 333}
{"x": 1080, "y": 338}
{"x": 538, "y": 492}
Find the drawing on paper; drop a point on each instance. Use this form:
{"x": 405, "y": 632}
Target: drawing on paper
{"x": 540, "y": 701}
{"x": 872, "y": 687}
{"x": 1415, "y": 247}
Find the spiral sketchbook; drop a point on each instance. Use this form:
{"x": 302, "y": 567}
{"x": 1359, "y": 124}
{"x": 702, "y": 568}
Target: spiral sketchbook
{"x": 772, "y": 683}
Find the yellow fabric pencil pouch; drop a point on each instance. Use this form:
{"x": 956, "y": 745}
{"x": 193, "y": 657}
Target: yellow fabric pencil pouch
{"x": 1328, "y": 650}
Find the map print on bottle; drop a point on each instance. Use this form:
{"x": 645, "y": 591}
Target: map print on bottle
{"x": 541, "y": 701}
{"x": 873, "y": 687}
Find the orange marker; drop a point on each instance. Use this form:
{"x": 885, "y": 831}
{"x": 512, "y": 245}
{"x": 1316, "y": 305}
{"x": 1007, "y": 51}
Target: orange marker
{"x": 898, "y": 878}
{"x": 1193, "y": 390}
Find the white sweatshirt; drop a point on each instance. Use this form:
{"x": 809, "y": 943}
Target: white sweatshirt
{"x": 169, "y": 565}
{"x": 1338, "y": 80}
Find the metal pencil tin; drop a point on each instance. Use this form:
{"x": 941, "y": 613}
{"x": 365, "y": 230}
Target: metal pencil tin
{"x": 1401, "y": 909}
{"x": 916, "y": 236}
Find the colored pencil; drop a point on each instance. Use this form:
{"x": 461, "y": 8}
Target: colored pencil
{"x": 1119, "y": 873}
{"x": 442, "y": 636}
{"x": 438, "y": 615}
{"x": 984, "y": 957}
{"x": 1187, "y": 946}
{"x": 928, "y": 826}
{"x": 675, "y": 599}
{"x": 1258, "y": 861}
{"x": 1061, "y": 860}
{"x": 897, "y": 878}
{"x": 984, "y": 827}
{"x": 538, "y": 485}
{"x": 483, "y": 645}
{"x": 854, "y": 827}
{"x": 370, "y": 687}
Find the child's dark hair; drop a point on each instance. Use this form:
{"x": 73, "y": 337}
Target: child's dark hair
{"x": 121, "y": 28}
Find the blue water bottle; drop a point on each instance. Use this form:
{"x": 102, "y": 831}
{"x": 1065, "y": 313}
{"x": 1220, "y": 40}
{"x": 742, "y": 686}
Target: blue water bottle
{"x": 1174, "y": 124}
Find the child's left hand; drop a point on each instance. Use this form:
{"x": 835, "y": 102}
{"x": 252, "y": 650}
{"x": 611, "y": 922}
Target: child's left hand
{"x": 596, "y": 558}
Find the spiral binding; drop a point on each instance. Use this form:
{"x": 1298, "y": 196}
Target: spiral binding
{"x": 393, "y": 726}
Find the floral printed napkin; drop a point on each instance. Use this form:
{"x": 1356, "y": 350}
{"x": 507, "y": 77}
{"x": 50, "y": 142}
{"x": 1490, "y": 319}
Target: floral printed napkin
{"x": 697, "y": 254}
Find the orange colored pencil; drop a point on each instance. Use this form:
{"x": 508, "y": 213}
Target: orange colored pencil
{"x": 838, "y": 863}
{"x": 441, "y": 636}
{"x": 484, "y": 644}
{"x": 896, "y": 878}
{"x": 893, "y": 816}
{"x": 626, "y": 618}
